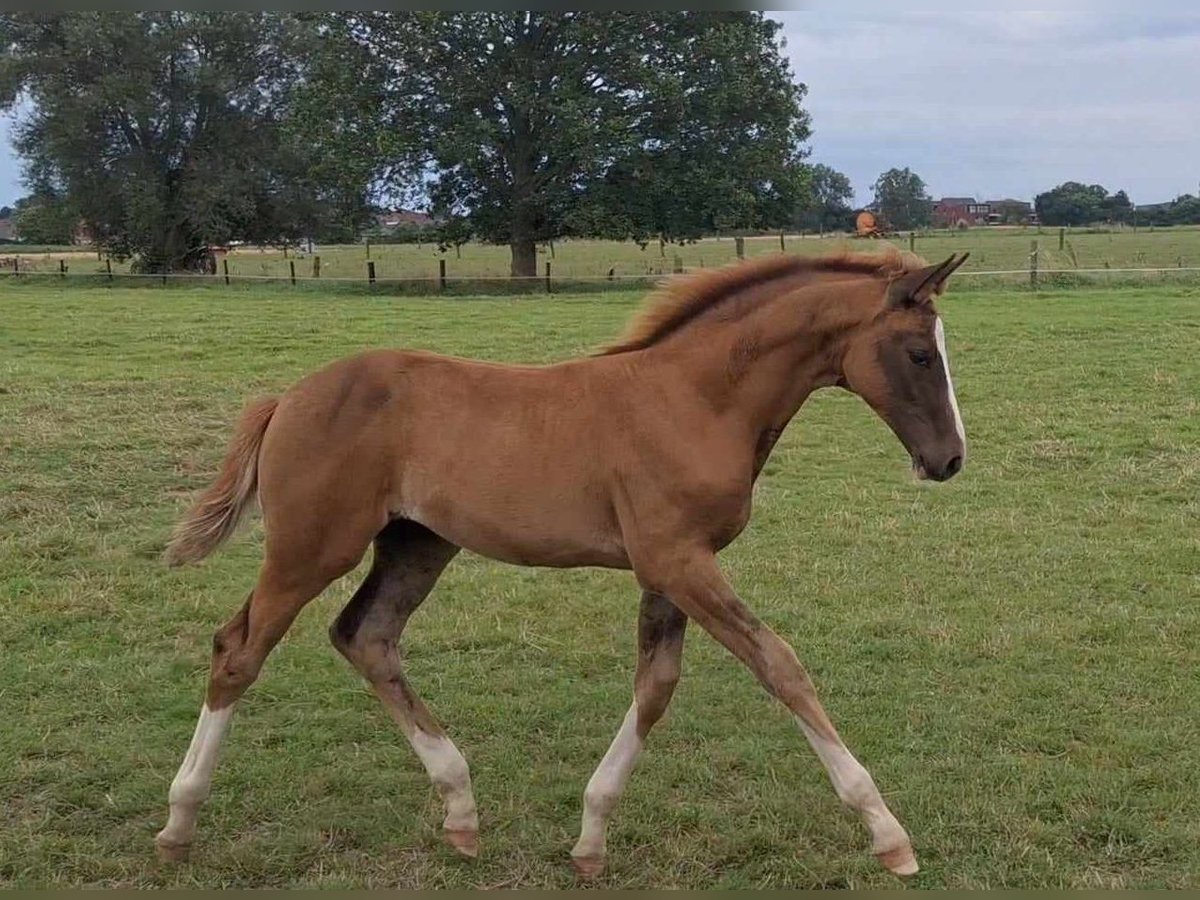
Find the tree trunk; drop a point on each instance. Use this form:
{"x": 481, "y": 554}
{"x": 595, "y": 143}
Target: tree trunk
{"x": 524, "y": 258}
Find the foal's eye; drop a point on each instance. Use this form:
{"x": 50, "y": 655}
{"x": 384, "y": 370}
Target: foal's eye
{"x": 920, "y": 358}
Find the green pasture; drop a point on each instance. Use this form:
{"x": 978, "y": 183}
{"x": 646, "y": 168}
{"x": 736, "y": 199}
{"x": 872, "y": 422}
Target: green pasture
{"x": 992, "y": 249}
{"x": 1015, "y": 654}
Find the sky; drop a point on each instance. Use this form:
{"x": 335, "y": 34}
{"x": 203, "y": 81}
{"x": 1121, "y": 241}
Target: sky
{"x": 1004, "y": 104}
{"x": 986, "y": 104}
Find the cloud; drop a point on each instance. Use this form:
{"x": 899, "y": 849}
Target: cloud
{"x": 1004, "y": 103}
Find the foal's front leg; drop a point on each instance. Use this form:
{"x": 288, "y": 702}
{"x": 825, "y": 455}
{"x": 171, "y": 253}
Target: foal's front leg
{"x": 696, "y": 585}
{"x": 660, "y": 646}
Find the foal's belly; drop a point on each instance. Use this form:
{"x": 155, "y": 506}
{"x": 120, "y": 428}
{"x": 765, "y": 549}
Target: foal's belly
{"x": 526, "y": 521}
{"x": 524, "y": 544}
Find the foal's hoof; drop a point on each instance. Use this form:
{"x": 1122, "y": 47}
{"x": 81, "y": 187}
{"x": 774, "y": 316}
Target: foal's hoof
{"x": 588, "y": 867}
{"x": 899, "y": 861}
{"x": 172, "y": 853}
{"x": 465, "y": 842}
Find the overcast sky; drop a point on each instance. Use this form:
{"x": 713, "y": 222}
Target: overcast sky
{"x": 1009, "y": 104}
{"x": 987, "y": 104}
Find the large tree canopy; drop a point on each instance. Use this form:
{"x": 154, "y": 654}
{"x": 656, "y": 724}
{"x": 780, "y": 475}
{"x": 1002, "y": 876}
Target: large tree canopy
{"x": 538, "y": 125}
{"x": 1073, "y": 203}
{"x": 826, "y": 206}
{"x": 901, "y": 197}
{"x": 44, "y": 219}
{"x": 168, "y": 131}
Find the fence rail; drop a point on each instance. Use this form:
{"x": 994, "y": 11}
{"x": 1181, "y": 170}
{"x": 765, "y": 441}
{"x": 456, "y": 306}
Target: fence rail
{"x": 547, "y": 282}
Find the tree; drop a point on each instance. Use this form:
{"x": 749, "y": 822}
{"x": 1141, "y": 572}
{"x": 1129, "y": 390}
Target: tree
{"x": 1183, "y": 210}
{"x": 902, "y": 200}
{"x": 539, "y": 125}
{"x": 1117, "y": 207}
{"x": 1073, "y": 203}
{"x": 44, "y": 219}
{"x": 827, "y": 206}
{"x": 166, "y": 131}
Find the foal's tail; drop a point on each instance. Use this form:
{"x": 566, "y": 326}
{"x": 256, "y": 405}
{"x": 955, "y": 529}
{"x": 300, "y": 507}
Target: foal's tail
{"x": 215, "y": 515}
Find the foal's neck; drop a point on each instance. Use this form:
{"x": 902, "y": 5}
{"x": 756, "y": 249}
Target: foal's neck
{"x": 760, "y": 367}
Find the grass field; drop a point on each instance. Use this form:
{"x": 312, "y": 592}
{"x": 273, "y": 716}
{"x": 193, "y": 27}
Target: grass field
{"x": 1014, "y": 655}
{"x": 992, "y": 249}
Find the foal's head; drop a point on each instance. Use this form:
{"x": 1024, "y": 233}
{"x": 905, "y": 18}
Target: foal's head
{"x": 897, "y": 363}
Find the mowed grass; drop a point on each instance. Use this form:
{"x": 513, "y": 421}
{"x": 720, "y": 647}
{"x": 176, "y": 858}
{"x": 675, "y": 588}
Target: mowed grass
{"x": 1014, "y": 654}
{"x": 992, "y": 249}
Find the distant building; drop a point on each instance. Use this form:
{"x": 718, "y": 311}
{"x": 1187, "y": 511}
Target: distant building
{"x": 8, "y": 230}
{"x": 403, "y": 218}
{"x": 963, "y": 212}
{"x": 956, "y": 212}
{"x": 1011, "y": 212}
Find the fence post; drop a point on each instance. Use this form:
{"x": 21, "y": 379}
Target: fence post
{"x": 662, "y": 246}
{"x": 16, "y": 265}
{"x": 1062, "y": 237}
{"x": 782, "y": 245}
{"x": 370, "y": 272}
{"x": 678, "y": 265}
{"x": 740, "y": 245}
{"x": 912, "y": 242}
{"x": 441, "y": 275}
{"x": 1033, "y": 264}
{"x": 547, "y": 276}
{"x": 225, "y": 269}
{"x": 108, "y": 268}
{"x": 62, "y": 268}
{"x": 292, "y": 267}
{"x": 317, "y": 266}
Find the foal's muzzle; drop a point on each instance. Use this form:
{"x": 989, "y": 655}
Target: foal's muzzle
{"x": 937, "y": 471}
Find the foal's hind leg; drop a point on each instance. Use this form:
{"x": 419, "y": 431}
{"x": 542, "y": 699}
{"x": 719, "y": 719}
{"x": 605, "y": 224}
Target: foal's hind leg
{"x": 660, "y": 647}
{"x": 239, "y": 649}
{"x": 408, "y": 560}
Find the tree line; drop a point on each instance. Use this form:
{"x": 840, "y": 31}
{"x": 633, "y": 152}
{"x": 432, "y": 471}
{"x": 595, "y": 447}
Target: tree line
{"x": 167, "y": 132}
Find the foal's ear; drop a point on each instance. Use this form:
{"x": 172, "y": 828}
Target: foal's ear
{"x": 915, "y": 288}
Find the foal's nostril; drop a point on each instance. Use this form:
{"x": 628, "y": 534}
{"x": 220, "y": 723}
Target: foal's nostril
{"x": 953, "y": 467}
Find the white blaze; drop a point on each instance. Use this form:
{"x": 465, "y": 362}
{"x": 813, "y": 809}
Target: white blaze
{"x": 940, "y": 334}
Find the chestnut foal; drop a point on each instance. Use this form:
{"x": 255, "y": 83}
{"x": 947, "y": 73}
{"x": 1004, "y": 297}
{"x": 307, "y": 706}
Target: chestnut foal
{"x": 641, "y": 457}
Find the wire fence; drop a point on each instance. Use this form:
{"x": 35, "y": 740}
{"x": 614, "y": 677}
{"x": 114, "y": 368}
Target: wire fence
{"x": 347, "y": 271}
{"x": 415, "y": 285}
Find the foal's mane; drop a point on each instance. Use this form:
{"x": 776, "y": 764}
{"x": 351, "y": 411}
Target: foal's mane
{"x": 680, "y": 300}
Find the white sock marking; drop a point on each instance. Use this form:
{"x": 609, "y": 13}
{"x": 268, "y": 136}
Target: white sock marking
{"x": 450, "y": 774}
{"x": 856, "y": 788}
{"x": 606, "y": 786}
{"x": 192, "y": 782}
{"x": 940, "y": 334}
